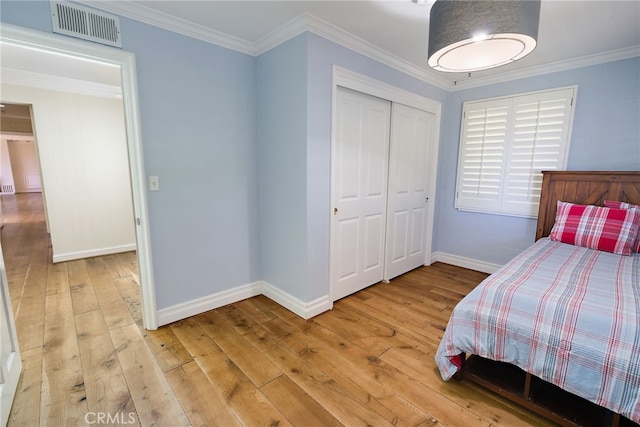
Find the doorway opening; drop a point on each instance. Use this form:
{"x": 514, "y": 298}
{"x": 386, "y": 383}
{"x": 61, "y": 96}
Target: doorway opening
{"x": 19, "y": 167}
{"x": 44, "y": 44}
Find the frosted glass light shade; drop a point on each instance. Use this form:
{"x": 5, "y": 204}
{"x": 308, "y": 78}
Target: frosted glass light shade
{"x": 467, "y": 36}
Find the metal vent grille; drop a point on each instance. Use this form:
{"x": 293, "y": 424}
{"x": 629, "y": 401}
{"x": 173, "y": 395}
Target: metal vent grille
{"x": 84, "y": 23}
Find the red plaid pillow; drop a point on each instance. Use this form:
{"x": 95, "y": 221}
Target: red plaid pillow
{"x": 595, "y": 227}
{"x": 624, "y": 205}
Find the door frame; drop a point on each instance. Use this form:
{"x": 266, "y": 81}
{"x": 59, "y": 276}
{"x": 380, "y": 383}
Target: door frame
{"x": 342, "y": 77}
{"x": 10, "y": 376}
{"x": 27, "y": 38}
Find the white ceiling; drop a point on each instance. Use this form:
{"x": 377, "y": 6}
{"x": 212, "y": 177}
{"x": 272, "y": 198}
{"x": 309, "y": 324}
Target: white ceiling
{"x": 571, "y": 32}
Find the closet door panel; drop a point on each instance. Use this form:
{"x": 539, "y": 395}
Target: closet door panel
{"x": 346, "y": 264}
{"x": 360, "y": 159}
{"x": 411, "y": 130}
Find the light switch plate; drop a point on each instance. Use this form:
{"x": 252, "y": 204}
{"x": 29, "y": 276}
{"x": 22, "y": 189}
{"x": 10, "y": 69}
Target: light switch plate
{"x": 154, "y": 183}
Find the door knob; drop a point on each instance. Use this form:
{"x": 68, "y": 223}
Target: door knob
{"x": 335, "y": 211}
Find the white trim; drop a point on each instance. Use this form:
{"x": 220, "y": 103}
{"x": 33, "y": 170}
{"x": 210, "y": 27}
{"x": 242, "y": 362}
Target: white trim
{"x": 433, "y": 178}
{"x": 139, "y": 190}
{"x": 11, "y": 379}
{"x": 361, "y": 83}
{"x": 348, "y": 40}
{"x": 70, "y": 256}
{"x": 313, "y": 24}
{"x": 289, "y": 30}
{"x": 177, "y": 25}
{"x": 306, "y": 310}
{"x": 127, "y": 62}
{"x": 13, "y": 76}
{"x": 460, "y": 261}
{"x": 209, "y": 302}
{"x": 501, "y": 161}
{"x": 11, "y": 372}
{"x": 569, "y": 64}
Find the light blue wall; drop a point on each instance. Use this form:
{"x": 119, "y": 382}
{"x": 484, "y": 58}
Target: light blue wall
{"x": 606, "y": 136}
{"x": 31, "y": 14}
{"x": 197, "y": 104}
{"x": 197, "y": 107}
{"x": 294, "y": 133}
{"x": 282, "y": 136}
{"x": 242, "y": 149}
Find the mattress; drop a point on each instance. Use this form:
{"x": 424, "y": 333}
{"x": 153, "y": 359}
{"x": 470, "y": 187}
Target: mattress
{"x": 566, "y": 314}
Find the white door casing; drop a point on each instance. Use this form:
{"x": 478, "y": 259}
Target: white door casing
{"x": 10, "y": 362}
{"x": 408, "y": 196}
{"x": 360, "y": 162}
{"x": 31, "y": 39}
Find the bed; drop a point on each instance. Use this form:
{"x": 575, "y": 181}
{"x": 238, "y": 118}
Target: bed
{"x": 557, "y": 329}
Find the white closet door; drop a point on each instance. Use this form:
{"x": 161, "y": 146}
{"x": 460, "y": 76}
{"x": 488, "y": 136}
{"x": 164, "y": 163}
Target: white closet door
{"x": 407, "y": 213}
{"x": 359, "y": 179}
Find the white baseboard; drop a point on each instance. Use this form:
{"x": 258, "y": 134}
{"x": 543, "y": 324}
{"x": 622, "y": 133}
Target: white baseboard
{"x": 210, "y": 302}
{"x": 306, "y": 310}
{"x": 70, "y": 256}
{"x": 473, "y": 264}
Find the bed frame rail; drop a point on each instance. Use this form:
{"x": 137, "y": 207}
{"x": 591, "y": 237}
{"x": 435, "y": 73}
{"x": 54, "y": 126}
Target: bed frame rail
{"x": 538, "y": 396}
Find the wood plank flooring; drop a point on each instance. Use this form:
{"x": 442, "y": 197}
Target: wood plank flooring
{"x": 368, "y": 362}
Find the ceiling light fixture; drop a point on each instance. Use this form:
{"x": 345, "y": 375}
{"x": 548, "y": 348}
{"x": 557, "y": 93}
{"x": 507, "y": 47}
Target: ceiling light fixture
{"x": 467, "y": 36}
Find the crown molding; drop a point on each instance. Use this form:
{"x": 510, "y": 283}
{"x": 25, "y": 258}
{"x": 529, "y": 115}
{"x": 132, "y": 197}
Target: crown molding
{"x": 313, "y": 24}
{"x": 291, "y": 29}
{"x": 308, "y": 22}
{"x": 149, "y": 16}
{"x": 348, "y": 40}
{"x": 554, "y": 67}
{"x": 13, "y": 76}
{"x": 287, "y": 31}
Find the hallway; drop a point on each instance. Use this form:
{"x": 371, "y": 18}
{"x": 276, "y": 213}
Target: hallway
{"x": 70, "y": 317}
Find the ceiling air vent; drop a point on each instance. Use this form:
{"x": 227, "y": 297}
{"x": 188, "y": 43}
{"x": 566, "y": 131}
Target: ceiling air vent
{"x": 84, "y": 23}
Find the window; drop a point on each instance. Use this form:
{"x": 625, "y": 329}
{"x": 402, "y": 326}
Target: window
{"x": 505, "y": 143}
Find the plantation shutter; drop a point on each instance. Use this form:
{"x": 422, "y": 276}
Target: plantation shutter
{"x": 505, "y": 144}
{"x": 483, "y": 152}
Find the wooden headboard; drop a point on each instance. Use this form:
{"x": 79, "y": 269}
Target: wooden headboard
{"x": 585, "y": 188}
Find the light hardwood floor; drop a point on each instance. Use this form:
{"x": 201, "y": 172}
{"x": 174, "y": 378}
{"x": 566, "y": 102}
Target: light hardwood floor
{"x": 368, "y": 362}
